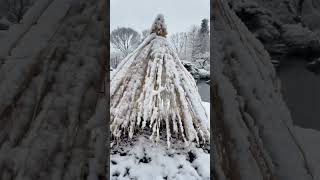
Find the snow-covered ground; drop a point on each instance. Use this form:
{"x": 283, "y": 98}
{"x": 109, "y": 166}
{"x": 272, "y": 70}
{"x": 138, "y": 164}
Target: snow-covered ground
{"x": 148, "y": 161}
{"x": 309, "y": 140}
{"x": 144, "y": 160}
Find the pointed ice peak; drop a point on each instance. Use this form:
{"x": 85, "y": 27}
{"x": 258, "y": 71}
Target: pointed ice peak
{"x": 159, "y": 26}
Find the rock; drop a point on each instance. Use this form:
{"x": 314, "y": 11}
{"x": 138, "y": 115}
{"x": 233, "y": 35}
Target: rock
{"x": 275, "y": 22}
{"x": 204, "y": 74}
{"x": 310, "y": 14}
{"x": 3, "y": 27}
{"x": 4, "y": 24}
{"x": 276, "y": 64}
{"x": 191, "y": 68}
{"x": 196, "y": 72}
{"x": 314, "y": 66}
{"x": 259, "y": 20}
{"x": 299, "y": 39}
{"x": 277, "y": 49}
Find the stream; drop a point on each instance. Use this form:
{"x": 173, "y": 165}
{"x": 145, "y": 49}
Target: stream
{"x": 301, "y": 91}
{"x": 204, "y": 90}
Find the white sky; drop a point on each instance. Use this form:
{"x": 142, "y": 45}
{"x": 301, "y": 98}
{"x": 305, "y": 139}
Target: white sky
{"x": 180, "y": 15}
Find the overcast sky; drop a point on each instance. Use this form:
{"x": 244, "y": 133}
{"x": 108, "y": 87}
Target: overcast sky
{"x": 180, "y": 15}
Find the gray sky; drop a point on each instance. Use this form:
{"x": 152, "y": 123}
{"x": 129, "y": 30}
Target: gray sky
{"x": 180, "y": 15}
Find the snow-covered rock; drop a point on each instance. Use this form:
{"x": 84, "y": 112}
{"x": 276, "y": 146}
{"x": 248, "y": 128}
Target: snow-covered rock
{"x": 258, "y": 19}
{"x": 4, "y": 24}
{"x": 196, "y": 72}
{"x": 314, "y": 66}
{"x": 204, "y": 74}
{"x": 300, "y": 39}
{"x": 277, "y": 22}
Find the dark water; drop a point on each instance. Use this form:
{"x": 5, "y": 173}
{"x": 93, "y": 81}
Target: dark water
{"x": 300, "y": 88}
{"x": 301, "y": 91}
{"x": 204, "y": 90}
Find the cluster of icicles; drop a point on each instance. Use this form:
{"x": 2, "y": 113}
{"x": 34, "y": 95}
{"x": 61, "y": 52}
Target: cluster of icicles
{"x": 150, "y": 87}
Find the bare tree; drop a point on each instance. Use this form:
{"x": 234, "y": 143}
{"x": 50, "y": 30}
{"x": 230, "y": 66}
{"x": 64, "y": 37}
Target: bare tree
{"x": 179, "y": 42}
{"x": 124, "y": 39}
{"x": 16, "y": 9}
{"x": 115, "y": 58}
{"x": 145, "y": 33}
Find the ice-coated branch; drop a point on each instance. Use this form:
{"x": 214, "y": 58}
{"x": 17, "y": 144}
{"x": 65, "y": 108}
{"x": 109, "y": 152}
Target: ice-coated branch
{"x": 152, "y": 90}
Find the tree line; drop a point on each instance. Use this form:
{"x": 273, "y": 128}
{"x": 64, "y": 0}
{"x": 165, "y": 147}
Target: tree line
{"x": 191, "y": 46}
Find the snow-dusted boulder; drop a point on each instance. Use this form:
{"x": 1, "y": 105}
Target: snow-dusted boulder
{"x": 278, "y": 22}
{"x": 259, "y": 20}
{"x": 314, "y": 66}
{"x": 5, "y": 23}
{"x": 196, "y": 72}
{"x": 310, "y": 14}
{"x": 204, "y": 74}
{"x": 300, "y": 39}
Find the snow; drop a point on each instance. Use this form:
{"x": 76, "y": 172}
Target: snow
{"x": 16, "y": 31}
{"x": 14, "y": 71}
{"x": 309, "y": 139}
{"x": 5, "y": 21}
{"x": 159, "y": 27}
{"x": 204, "y": 74}
{"x": 255, "y": 131}
{"x": 145, "y": 160}
{"x": 206, "y": 105}
{"x": 150, "y": 87}
{"x": 52, "y": 119}
{"x": 196, "y": 72}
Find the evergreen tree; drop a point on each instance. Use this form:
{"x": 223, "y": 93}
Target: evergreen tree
{"x": 202, "y": 40}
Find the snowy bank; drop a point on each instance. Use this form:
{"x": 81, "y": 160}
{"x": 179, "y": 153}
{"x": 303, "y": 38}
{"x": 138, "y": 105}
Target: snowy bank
{"x": 145, "y": 161}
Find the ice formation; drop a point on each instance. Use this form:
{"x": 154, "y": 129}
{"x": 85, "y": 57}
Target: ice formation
{"x": 151, "y": 89}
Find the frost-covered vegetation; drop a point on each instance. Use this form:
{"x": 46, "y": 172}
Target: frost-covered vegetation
{"x": 192, "y": 46}
{"x": 145, "y": 160}
{"x": 151, "y": 89}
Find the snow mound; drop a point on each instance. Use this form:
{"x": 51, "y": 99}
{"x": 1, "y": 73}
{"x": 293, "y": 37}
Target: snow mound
{"x": 145, "y": 160}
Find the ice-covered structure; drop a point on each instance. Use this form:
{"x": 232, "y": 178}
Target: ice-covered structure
{"x": 151, "y": 89}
